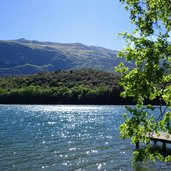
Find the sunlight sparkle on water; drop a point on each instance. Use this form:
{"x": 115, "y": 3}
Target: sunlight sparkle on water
{"x": 63, "y": 137}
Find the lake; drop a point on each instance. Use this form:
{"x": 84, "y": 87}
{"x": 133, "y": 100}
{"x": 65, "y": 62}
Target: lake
{"x": 65, "y": 137}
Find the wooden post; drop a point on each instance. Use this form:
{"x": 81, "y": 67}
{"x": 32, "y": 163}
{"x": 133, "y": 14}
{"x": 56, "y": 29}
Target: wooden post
{"x": 137, "y": 145}
{"x": 155, "y": 142}
{"x": 164, "y": 145}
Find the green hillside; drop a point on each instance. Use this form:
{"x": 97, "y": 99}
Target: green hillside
{"x": 22, "y": 56}
{"x": 62, "y": 87}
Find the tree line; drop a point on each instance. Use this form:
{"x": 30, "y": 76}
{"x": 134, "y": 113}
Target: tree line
{"x": 84, "y": 86}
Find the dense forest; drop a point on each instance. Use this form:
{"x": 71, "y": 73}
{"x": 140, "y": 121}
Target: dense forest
{"x": 62, "y": 87}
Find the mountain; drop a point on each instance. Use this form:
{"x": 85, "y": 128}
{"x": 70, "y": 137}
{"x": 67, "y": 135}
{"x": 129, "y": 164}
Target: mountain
{"x": 19, "y": 57}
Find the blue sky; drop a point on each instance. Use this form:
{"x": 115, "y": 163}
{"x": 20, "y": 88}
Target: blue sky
{"x": 91, "y": 22}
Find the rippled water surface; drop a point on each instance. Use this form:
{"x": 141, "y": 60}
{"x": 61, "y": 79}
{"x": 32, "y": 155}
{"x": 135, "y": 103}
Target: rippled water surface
{"x": 39, "y": 137}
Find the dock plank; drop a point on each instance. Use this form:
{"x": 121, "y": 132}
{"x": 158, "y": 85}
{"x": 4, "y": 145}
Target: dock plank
{"x": 162, "y": 137}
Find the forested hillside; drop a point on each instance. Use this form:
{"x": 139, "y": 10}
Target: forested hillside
{"x": 62, "y": 87}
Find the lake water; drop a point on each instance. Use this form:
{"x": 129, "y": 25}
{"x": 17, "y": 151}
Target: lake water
{"x": 65, "y": 137}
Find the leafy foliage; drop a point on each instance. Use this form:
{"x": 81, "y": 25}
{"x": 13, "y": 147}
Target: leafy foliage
{"x": 62, "y": 87}
{"x": 149, "y": 46}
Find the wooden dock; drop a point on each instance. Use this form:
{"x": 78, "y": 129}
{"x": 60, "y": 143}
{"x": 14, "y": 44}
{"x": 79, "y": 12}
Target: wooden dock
{"x": 163, "y": 137}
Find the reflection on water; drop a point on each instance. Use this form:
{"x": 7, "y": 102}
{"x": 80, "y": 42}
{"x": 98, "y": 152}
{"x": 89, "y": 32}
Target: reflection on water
{"x": 39, "y": 137}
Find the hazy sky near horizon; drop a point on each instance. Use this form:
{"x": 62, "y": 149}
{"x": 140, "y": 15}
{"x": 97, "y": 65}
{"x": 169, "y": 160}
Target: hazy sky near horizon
{"x": 91, "y": 22}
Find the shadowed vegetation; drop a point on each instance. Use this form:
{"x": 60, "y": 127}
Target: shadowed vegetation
{"x": 62, "y": 87}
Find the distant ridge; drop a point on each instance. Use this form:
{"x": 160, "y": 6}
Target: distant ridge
{"x": 21, "y": 56}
